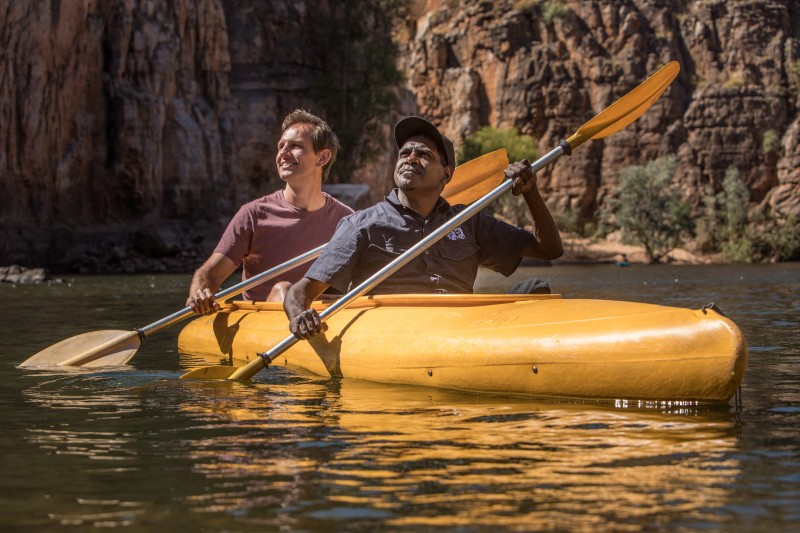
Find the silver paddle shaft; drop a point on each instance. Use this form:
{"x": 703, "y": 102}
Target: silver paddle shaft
{"x": 413, "y": 252}
{"x": 236, "y": 289}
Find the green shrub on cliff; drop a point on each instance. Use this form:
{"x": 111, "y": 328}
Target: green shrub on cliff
{"x": 734, "y": 80}
{"x": 489, "y": 139}
{"x": 745, "y": 233}
{"x": 708, "y": 224}
{"x": 784, "y": 239}
{"x": 518, "y": 146}
{"x": 648, "y": 210}
{"x": 734, "y": 200}
{"x": 526, "y": 5}
{"x": 554, "y": 9}
{"x": 770, "y": 142}
{"x": 550, "y": 9}
{"x": 796, "y": 72}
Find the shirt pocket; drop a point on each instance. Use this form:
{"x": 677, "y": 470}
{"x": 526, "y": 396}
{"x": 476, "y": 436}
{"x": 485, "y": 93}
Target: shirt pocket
{"x": 457, "y": 250}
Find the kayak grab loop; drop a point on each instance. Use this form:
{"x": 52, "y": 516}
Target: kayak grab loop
{"x": 714, "y": 308}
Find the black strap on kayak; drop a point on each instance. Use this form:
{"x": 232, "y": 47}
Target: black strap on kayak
{"x": 714, "y": 308}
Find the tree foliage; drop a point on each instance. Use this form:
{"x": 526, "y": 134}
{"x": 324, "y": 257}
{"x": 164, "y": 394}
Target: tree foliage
{"x": 358, "y": 85}
{"x": 489, "y": 139}
{"x": 648, "y": 210}
{"x": 734, "y": 201}
{"x": 747, "y": 233}
{"x": 518, "y": 146}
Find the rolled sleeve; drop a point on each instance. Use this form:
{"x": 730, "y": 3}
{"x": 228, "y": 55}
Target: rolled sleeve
{"x": 338, "y": 260}
{"x": 501, "y": 244}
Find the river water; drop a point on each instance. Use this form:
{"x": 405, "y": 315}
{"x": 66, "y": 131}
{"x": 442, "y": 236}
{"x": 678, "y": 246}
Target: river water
{"x": 136, "y": 448}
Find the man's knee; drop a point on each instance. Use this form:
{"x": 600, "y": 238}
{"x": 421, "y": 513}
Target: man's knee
{"x": 278, "y": 292}
{"x": 531, "y": 286}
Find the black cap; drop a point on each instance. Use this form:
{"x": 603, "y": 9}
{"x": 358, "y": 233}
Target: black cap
{"x": 410, "y": 126}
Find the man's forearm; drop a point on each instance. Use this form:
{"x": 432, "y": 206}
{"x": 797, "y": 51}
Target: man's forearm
{"x": 547, "y": 239}
{"x": 295, "y": 303}
{"x": 202, "y": 280}
{"x": 300, "y": 295}
{"x": 304, "y": 322}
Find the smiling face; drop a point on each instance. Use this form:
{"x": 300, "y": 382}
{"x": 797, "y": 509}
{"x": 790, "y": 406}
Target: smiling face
{"x": 296, "y": 158}
{"x": 419, "y": 168}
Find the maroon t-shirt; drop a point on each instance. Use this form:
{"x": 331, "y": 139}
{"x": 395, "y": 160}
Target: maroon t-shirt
{"x": 270, "y": 231}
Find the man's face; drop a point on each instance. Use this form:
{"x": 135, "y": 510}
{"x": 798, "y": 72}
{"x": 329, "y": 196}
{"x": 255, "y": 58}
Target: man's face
{"x": 419, "y": 167}
{"x": 296, "y": 158}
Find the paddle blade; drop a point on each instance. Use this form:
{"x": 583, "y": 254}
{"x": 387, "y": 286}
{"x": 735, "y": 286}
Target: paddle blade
{"x": 475, "y": 178}
{"x": 628, "y": 108}
{"x": 239, "y": 373}
{"x": 92, "y": 349}
{"x": 211, "y": 372}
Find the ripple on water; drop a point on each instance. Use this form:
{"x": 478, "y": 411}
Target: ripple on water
{"x": 136, "y": 446}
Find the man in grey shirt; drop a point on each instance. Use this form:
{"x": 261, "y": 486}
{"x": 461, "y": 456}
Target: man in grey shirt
{"x": 368, "y": 240}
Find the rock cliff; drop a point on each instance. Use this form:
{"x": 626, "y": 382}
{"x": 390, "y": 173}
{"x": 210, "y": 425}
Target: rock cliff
{"x": 132, "y": 129}
{"x": 545, "y": 67}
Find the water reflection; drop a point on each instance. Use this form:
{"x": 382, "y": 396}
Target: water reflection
{"x": 90, "y": 431}
{"x": 102, "y": 404}
{"x": 416, "y": 457}
{"x": 138, "y": 447}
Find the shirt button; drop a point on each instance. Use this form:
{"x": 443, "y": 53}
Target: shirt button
{"x": 427, "y": 252}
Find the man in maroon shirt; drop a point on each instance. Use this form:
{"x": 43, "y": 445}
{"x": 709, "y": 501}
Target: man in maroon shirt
{"x": 280, "y": 226}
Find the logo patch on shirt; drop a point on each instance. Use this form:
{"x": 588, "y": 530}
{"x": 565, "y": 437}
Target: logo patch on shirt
{"x": 456, "y": 235}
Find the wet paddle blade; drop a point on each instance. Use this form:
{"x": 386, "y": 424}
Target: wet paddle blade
{"x": 92, "y": 349}
{"x": 628, "y": 108}
{"x": 475, "y": 178}
{"x": 240, "y": 373}
{"x": 211, "y": 372}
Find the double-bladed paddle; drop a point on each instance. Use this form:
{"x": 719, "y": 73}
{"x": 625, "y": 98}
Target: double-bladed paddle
{"x": 610, "y": 120}
{"x": 116, "y": 347}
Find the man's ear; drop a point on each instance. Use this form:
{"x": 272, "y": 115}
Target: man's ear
{"x": 324, "y": 157}
{"x": 448, "y": 175}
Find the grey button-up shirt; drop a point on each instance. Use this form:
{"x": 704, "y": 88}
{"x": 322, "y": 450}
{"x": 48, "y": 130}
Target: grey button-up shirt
{"x": 368, "y": 240}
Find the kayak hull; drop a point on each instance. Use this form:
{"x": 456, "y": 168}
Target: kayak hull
{"x": 538, "y": 345}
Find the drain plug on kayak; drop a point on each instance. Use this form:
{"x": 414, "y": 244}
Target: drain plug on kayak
{"x": 430, "y": 372}
{"x": 535, "y": 370}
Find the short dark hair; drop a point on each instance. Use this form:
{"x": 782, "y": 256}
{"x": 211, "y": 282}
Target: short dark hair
{"x": 322, "y": 136}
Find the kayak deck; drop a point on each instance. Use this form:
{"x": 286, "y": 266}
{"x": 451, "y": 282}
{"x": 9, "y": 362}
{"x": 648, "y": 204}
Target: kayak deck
{"x": 539, "y": 345}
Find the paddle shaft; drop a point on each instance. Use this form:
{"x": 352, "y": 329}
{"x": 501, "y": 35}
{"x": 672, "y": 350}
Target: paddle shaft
{"x": 236, "y": 289}
{"x": 466, "y": 177}
{"x": 267, "y": 357}
{"x": 97, "y": 352}
{"x": 470, "y": 181}
{"x": 612, "y": 119}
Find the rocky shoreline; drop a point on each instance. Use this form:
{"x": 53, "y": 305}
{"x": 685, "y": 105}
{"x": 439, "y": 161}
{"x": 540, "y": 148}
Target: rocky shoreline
{"x": 580, "y": 250}
{"x": 20, "y": 275}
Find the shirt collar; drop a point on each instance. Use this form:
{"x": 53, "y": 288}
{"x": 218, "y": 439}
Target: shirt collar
{"x": 441, "y": 204}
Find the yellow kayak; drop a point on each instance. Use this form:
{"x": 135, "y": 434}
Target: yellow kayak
{"x": 539, "y": 345}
